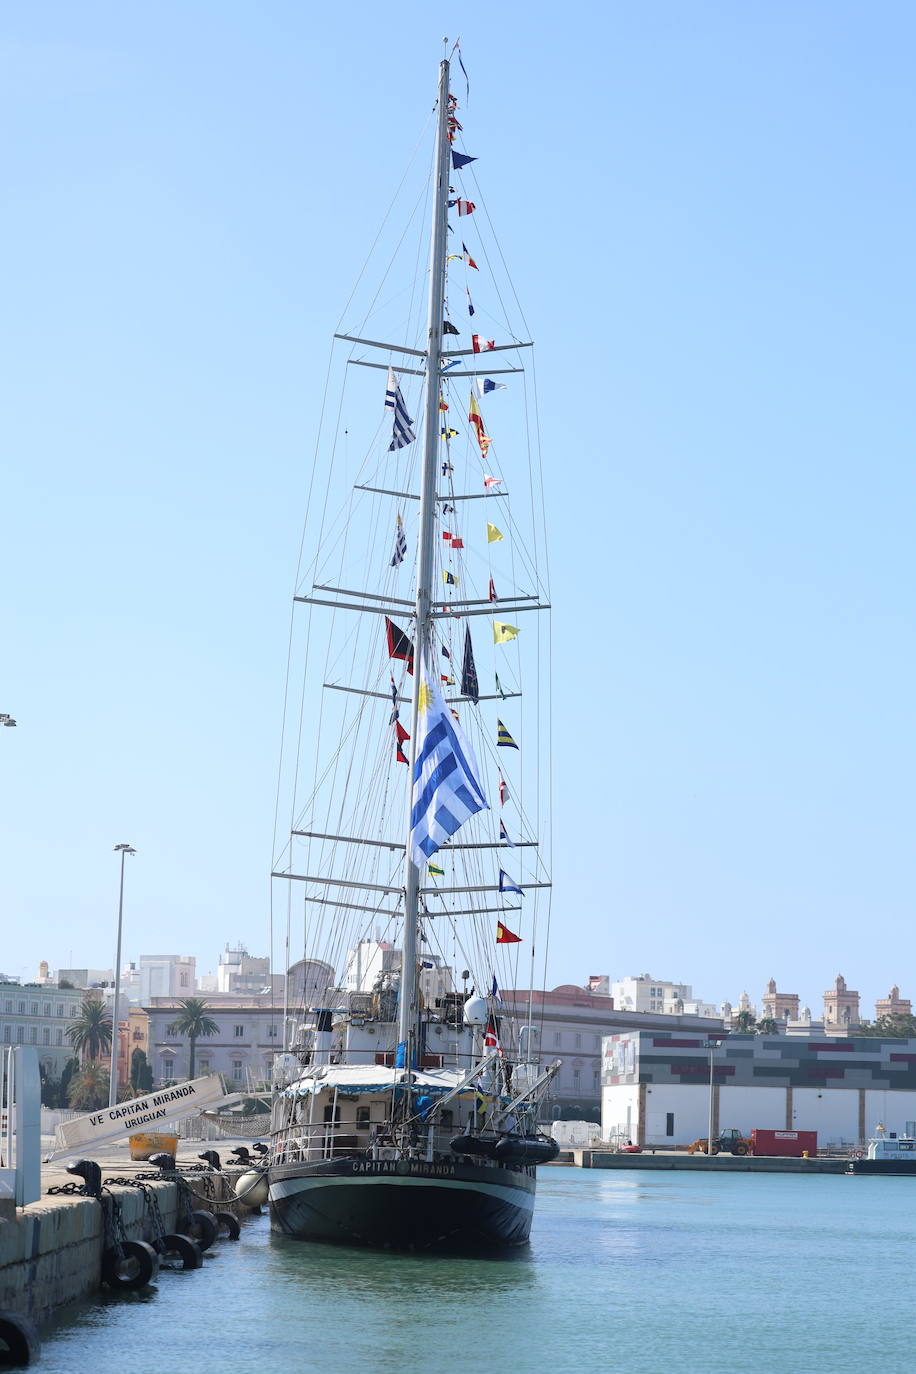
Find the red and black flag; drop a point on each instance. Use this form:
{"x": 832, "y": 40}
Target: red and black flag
{"x": 399, "y": 645}
{"x": 401, "y": 737}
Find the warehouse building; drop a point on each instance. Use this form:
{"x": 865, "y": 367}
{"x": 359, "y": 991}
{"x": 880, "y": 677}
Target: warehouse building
{"x": 656, "y": 1087}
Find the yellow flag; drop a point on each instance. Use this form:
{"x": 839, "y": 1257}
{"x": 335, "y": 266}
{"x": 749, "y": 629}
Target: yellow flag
{"x": 502, "y": 632}
{"x": 493, "y": 533}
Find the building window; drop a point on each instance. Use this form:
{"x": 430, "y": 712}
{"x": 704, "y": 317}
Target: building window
{"x": 46, "y": 1036}
{"x": 60, "y": 1008}
{"x": 578, "y": 1042}
{"x": 204, "y": 1065}
{"x": 184, "y": 978}
{"x": 33, "y": 1035}
{"x": 46, "y": 1009}
{"x": 556, "y": 1037}
{"x": 597, "y": 1042}
{"x": 60, "y": 1037}
{"x": 7, "y": 1034}
{"x": 22, "y": 1008}
{"x": 577, "y": 1074}
{"x": 20, "y": 1035}
{"x": 72, "y": 1008}
{"x": 669, "y": 1123}
{"x": 239, "y": 1032}
{"x": 34, "y": 1008}
{"x": 236, "y": 1068}
{"x": 8, "y": 1006}
{"x": 168, "y": 1066}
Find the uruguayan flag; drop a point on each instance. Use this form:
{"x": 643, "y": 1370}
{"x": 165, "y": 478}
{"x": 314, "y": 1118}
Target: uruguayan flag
{"x": 446, "y": 790}
{"x": 402, "y": 433}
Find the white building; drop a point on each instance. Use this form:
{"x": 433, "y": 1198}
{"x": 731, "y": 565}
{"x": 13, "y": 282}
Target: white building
{"x": 249, "y": 1035}
{"x": 32, "y": 1014}
{"x": 167, "y": 975}
{"x": 239, "y": 971}
{"x": 643, "y": 993}
{"x": 85, "y": 977}
{"x": 372, "y": 962}
{"x": 656, "y": 1088}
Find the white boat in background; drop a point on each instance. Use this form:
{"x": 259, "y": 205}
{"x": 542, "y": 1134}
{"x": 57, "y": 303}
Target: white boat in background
{"x": 887, "y": 1153}
{"x": 404, "y": 1118}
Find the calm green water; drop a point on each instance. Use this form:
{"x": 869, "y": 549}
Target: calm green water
{"x": 638, "y": 1272}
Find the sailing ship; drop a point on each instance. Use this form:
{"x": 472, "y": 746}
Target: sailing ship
{"x": 405, "y": 1110}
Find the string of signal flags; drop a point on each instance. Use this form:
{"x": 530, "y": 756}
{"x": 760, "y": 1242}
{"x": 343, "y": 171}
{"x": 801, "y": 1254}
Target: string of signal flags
{"x": 399, "y": 644}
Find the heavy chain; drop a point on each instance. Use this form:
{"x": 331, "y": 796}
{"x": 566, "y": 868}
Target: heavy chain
{"x": 113, "y": 1222}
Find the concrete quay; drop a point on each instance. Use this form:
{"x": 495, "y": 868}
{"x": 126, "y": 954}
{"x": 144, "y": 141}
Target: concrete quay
{"x": 723, "y": 1163}
{"x": 51, "y": 1251}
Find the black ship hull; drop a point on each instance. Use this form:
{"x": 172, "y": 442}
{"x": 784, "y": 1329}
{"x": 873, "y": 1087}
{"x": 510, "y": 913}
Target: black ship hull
{"x": 898, "y": 1167}
{"x": 404, "y": 1204}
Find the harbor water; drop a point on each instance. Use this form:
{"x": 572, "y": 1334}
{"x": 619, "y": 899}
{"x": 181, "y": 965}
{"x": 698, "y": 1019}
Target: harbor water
{"x": 638, "y": 1272}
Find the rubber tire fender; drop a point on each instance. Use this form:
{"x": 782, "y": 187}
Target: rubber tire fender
{"x": 184, "y": 1247}
{"x": 19, "y": 1343}
{"x": 200, "y": 1226}
{"x": 227, "y": 1224}
{"x": 143, "y": 1260}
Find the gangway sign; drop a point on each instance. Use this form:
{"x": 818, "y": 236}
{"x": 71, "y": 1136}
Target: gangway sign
{"x": 166, "y": 1105}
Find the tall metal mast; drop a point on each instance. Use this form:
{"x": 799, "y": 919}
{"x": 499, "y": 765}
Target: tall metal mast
{"x": 409, "y": 1002}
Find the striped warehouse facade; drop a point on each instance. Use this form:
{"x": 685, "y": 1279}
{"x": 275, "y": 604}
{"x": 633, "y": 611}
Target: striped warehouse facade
{"x": 656, "y": 1087}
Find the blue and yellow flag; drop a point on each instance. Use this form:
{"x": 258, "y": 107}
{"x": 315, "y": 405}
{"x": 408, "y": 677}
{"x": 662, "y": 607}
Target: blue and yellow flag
{"x": 503, "y": 738}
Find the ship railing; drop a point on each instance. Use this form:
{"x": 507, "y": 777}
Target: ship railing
{"x": 323, "y": 1140}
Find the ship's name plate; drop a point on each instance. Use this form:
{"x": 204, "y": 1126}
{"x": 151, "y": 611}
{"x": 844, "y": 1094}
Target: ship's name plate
{"x": 403, "y": 1166}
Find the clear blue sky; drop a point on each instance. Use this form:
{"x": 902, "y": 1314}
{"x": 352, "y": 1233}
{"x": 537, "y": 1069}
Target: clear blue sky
{"x": 709, "y": 213}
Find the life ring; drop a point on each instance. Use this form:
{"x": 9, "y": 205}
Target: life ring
{"x": 134, "y": 1269}
{"x": 858, "y": 1154}
{"x": 227, "y": 1224}
{"x": 200, "y": 1226}
{"x": 184, "y": 1248}
{"x": 19, "y": 1343}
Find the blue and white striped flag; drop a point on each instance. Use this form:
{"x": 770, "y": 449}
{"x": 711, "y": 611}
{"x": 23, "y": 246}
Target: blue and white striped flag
{"x": 446, "y": 790}
{"x": 400, "y": 543}
{"x": 402, "y": 433}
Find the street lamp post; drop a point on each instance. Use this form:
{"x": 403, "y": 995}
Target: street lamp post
{"x": 123, "y": 850}
{"x": 712, "y": 1046}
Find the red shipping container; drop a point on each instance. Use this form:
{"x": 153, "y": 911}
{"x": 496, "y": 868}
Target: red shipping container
{"x": 793, "y": 1143}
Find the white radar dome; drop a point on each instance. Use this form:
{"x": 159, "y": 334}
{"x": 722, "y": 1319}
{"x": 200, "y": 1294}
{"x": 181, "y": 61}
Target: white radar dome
{"x": 475, "y": 1011}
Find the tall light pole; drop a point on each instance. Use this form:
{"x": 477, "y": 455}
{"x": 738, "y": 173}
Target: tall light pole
{"x": 712, "y": 1046}
{"x": 123, "y": 850}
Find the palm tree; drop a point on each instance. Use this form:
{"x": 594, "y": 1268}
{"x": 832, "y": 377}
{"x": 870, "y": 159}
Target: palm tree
{"x": 88, "y": 1090}
{"x": 743, "y": 1021}
{"x": 193, "y": 1022}
{"x": 91, "y": 1033}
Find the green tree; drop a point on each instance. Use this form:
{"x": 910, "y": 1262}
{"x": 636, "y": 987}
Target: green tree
{"x": 89, "y": 1088}
{"x": 50, "y": 1088}
{"x": 767, "y": 1025}
{"x": 193, "y": 1021}
{"x": 894, "y": 1027}
{"x": 743, "y": 1021}
{"x": 141, "y": 1073}
{"x": 91, "y": 1032}
{"x": 71, "y": 1067}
